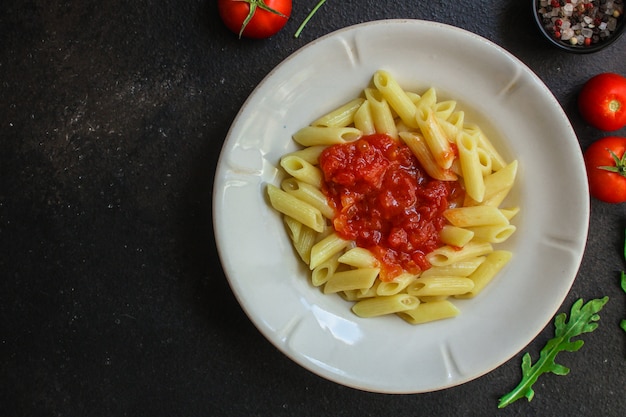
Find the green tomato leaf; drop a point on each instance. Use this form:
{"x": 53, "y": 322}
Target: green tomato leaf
{"x": 583, "y": 318}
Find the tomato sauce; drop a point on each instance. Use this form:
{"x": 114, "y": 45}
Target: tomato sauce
{"x": 385, "y": 201}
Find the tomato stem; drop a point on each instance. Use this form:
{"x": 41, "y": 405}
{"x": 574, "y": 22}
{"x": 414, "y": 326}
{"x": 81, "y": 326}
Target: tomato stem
{"x": 253, "y": 6}
{"x": 614, "y": 105}
{"x": 620, "y": 164}
{"x": 310, "y": 15}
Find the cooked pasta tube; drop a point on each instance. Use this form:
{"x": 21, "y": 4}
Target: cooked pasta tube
{"x": 327, "y": 248}
{"x": 302, "y": 237}
{"x": 459, "y": 269}
{"x": 436, "y": 138}
{"x": 447, "y": 255}
{"x": 485, "y": 162}
{"x": 501, "y": 180}
{"x": 471, "y": 166}
{"x": 363, "y": 119}
{"x": 302, "y": 170}
{"x": 355, "y": 295}
{"x": 453, "y": 124}
{"x": 428, "y": 99}
{"x": 309, "y": 194}
{"x": 497, "y": 160}
{"x": 352, "y": 279}
{"x": 444, "y": 109}
{"x": 295, "y": 208}
{"x": 342, "y": 116}
{"x": 486, "y": 272}
{"x": 379, "y": 306}
{"x": 359, "y": 258}
{"x": 311, "y": 154}
{"x": 475, "y": 216}
{"x": 368, "y": 292}
{"x": 320, "y": 135}
{"x": 510, "y": 212}
{"x": 396, "y": 285}
{"x": 455, "y": 236}
{"x": 381, "y": 113}
{"x": 420, "y": 149}
{"x": 493, "y": 234}
{"x": 435, "y": 286}
{"x": 432, "y": 311}
{"x": 322, "y": 272}
{"x": 395, "y": 96}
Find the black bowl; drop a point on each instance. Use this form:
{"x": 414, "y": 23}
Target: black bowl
{"x": 546, "y": 27}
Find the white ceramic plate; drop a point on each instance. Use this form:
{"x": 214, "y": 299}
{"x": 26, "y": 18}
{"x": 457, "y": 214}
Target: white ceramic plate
{"x": 386, "y": 354}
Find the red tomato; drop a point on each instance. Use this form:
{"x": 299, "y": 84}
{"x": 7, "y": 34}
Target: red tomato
{"x": 602, "y": 101}
{"x": 254, "y": 18}
{"x": 605, "y": 160}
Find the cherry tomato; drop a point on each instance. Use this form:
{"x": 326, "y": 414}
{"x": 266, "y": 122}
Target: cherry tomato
{"x": 605, "y": 160}
{"x": 254, "y": 18}
{"x": 602, "y": 101}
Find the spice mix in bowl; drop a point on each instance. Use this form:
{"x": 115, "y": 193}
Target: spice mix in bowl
{"x": 580, "y": 26}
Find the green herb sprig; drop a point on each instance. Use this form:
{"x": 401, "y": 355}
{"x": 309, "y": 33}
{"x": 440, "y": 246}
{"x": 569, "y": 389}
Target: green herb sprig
{"x": 309, "y": 16}
{"x": 583, "y": 319}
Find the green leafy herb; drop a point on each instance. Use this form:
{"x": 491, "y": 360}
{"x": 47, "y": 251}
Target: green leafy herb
{"x": 623, "y": 322}
{"x": 310, "y": 15}
{"x": 583, "y": 319}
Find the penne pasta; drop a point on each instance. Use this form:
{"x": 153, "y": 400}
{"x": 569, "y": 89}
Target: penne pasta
{"x": 326, "y": 248}
{"x": 353, "y": 279}
{"x": 435, "y": 137}
{"x": 444, "y": 109}
{"x": 310, "y": 154}
{"x": 447, "y": 255}
{"x": 363, "y": 120}
{"x": 317, "y": 210}
{"x": 438, "y": 286}
{"x": 486, "y": 272}
{"x": 295, "y": 208}
{"x": 459, "y": 269}
{"x": 483, "y": 142}
{"x": 475, "y": 216}
{"x": 493, "y": 234}
{"x": 379, "y": 306}
{"x": 428, "y": 99}
{"x": 455, "y": 236}
{"x": 302, "y": 238}
{"x": 420, "y": 149}
{"x": 359, "y": 258}
{"x": 322, "y": 272}
{"x": 340, "y": 117}
{"x": 319, "y": 135}
{"x": 382, "y": 117}
{"x": 432, "y": 311}
{"x": 396, "y": 97}
{"x": 471, "y": 167}
{"x": 309, "y": 194}
{"x": 398, "y": 284}
{"x": 302, "y": 170}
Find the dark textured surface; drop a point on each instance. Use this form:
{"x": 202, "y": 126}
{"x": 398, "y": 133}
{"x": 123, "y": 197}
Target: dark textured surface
{"x": 112, "y": 298}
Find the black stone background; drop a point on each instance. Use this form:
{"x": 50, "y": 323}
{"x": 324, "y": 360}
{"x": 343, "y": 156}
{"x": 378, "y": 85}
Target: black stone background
{"x": 112, "y": 298}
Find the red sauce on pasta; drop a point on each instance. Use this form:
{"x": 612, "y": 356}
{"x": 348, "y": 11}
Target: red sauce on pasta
{"x": 386, "y": 202}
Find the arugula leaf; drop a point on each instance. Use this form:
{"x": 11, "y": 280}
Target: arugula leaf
{"x": 583, "y": 319}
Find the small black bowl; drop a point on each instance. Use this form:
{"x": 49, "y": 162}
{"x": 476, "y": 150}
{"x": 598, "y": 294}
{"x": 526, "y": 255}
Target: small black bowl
{"x": 546, "y": 29}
